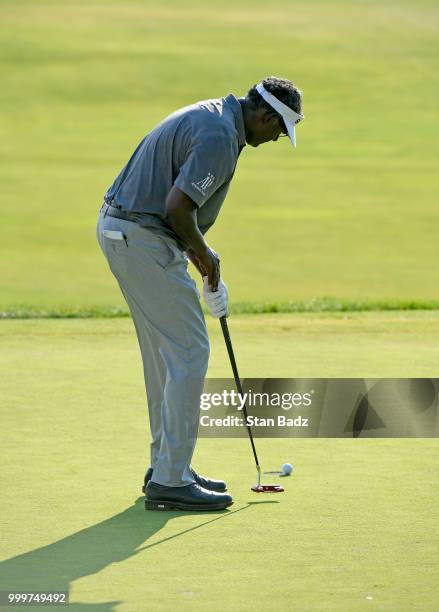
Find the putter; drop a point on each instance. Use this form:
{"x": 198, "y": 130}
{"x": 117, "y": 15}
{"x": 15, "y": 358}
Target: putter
{"x": 258, "y": 488}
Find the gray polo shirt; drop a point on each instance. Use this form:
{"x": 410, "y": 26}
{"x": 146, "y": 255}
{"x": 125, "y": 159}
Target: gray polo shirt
{"x": 196, "y": 148}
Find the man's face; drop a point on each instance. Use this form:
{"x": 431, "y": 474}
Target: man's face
{"x": 265, "y": 128}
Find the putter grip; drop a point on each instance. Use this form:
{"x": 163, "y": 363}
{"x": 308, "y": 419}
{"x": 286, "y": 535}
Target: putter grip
{"x": 229, "y": 346}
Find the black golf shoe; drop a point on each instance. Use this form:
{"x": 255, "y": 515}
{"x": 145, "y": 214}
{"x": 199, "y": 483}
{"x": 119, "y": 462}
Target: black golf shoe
{"x": 207, "y": 483}
{"x": 189, "y": 498}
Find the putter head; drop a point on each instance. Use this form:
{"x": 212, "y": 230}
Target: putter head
{"x": 268, "y": 488}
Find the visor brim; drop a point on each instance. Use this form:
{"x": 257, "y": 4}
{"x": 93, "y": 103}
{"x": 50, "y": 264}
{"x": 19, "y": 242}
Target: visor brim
{"x": 291, "y": 132}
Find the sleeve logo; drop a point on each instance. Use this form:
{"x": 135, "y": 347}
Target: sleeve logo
{"x": 204, "y": 184}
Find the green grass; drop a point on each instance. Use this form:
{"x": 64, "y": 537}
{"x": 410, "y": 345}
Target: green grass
{"x": 350, "y": 214}
{"x": 25, "y": 311}
{"x": 356, "y": 528}
{"x": 344, "y": 344}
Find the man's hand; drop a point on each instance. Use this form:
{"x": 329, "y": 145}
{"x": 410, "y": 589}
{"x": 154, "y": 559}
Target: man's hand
{"x": 210, "y": 263}
{"x": 216, "y": 301}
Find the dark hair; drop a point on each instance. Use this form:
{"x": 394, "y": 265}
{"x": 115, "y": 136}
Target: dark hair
{"x": 282, "y": 89}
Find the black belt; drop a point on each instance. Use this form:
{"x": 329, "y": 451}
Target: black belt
{"x": 119, "y": 213}
{"x": 114, "y": 211}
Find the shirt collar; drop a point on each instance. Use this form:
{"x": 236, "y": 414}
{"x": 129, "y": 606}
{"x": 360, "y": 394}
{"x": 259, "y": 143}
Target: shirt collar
{"x": 238, "y": 116}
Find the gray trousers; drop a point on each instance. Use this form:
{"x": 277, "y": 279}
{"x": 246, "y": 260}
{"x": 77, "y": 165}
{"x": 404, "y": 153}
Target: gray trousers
{"x": 164, "y": 303}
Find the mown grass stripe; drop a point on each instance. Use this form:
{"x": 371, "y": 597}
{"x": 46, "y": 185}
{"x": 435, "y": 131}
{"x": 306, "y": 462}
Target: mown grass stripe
{"x": 325, "y": 304}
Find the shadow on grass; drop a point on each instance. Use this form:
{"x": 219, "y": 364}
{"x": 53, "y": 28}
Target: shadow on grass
{"x": 55, "y": 566}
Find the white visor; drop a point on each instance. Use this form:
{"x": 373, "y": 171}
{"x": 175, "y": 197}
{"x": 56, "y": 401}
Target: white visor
{"x": 289, "y": 116}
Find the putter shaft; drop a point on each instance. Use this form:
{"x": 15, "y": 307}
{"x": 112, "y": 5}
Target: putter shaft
{"x": 229, "y": 346}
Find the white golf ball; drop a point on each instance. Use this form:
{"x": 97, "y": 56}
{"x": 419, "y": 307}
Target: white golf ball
{"x": 287, "y": 469}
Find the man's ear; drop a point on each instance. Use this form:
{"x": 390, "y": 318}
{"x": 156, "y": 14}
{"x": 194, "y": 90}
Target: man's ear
{"x": 263, "y": 115}
{"x": 268, "y": 116}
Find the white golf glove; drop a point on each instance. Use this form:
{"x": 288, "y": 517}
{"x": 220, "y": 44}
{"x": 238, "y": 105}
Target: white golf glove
{"x": 216, "y": 301}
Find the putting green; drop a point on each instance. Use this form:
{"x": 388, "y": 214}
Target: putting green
{"x": 356, "y": 528}
{"x": 351, "y": 213}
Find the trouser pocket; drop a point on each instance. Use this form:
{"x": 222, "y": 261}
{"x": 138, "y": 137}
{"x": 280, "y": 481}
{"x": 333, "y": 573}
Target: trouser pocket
{"x": 115, "y": 239}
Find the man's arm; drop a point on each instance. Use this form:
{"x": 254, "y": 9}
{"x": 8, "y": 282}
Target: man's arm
{"x": 196, "y": 262}
{"x": 182, "y": 217}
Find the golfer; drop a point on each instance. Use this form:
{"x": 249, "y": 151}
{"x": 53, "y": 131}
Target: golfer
{"x": 152, "y": 223}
